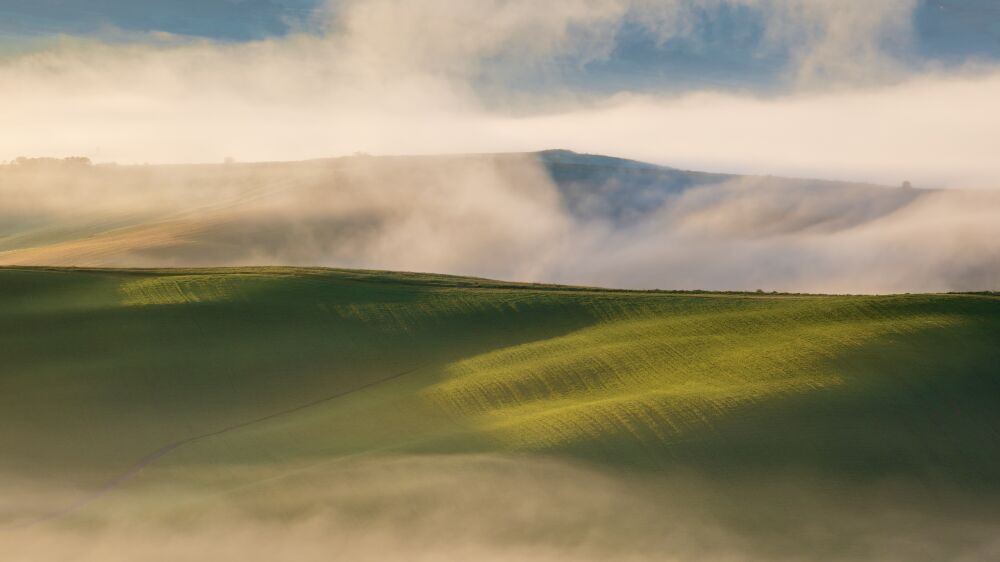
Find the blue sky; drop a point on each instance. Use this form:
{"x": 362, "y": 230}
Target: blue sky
{"x": 230, "y": 20}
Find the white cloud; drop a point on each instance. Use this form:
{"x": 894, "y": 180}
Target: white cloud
{"x": 391, "y": 76}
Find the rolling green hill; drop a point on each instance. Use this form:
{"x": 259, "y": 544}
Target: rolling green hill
{"x": 112, "y": 377}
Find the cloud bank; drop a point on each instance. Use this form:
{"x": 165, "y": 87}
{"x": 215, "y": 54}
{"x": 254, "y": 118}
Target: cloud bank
{"x": 400, "y": 77}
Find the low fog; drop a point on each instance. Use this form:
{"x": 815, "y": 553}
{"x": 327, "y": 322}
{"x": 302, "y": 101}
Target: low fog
{"x": 492, "y": 507}
{"x": 604, "y": 222}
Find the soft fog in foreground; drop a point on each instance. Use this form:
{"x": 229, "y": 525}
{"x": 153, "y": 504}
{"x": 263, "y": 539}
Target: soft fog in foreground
{"x": 502, "y": 508}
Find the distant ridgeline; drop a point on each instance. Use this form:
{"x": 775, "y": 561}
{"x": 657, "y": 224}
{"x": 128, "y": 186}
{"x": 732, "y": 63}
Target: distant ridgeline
{"x": 595, "y": 186}
{"x": 78, "y": 161}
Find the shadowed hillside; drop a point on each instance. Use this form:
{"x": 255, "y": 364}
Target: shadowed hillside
{"x": 165, "y": 396}
{"x": 104, "y": 367}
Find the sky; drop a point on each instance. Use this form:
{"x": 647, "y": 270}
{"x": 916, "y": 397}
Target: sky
{"x": 945, "y": 30}
{"x": 885, "y": 92}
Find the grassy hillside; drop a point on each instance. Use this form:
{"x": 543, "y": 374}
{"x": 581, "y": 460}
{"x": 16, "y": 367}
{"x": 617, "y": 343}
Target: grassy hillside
{"x": 106, "y": 372}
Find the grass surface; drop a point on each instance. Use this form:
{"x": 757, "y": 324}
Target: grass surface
{"x": 101, "y": 368}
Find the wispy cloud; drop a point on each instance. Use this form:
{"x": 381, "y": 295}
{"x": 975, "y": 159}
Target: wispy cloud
{"x": 390, "y": 76}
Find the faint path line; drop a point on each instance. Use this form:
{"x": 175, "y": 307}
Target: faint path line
{"x": 139, "y": 465}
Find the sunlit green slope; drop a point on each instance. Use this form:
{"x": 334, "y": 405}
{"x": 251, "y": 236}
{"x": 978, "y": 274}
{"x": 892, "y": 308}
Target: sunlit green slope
{"x": 106, "y": 372}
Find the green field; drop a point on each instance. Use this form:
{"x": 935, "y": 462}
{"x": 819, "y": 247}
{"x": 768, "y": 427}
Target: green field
{"x": 102, "y": 368}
